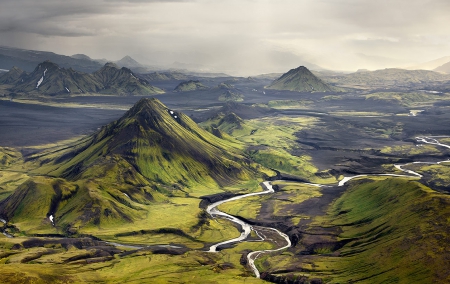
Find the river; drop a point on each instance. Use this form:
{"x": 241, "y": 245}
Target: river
{"x": 247, "y": 228}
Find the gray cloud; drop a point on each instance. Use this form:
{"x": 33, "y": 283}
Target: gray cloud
{"x": 239, "y": 36}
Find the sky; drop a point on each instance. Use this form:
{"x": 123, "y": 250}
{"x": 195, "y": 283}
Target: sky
{"x": 238, "y": 37}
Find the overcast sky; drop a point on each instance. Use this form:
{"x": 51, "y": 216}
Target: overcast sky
{"x": 240, "y": 37}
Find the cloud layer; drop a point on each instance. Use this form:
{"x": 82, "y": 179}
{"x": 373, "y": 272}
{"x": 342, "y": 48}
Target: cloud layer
{"x": 242, "y": 37}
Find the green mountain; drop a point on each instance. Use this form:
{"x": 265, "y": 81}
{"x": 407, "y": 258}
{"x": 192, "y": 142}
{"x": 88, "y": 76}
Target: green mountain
{"x": 150, "y": 154}
{"x": 228, "y": 123}
{"x": 300, "y": 80}
{"x": 191, "y": 85}
{"x": 123, "y": 82}
{"x": 230, "y": 96}
{"x": 13, "y": 76}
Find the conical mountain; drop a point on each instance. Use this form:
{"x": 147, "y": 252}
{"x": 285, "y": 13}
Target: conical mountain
{"x": 49, "y": 79}
{"x": 149, "y": 154}
{"x": 122, "y": 81}
{"x": 300, "y": 80}
{"x": 163, "y": 146}
{"x": 128, "y": 62}
{"x": 13, "y": 76}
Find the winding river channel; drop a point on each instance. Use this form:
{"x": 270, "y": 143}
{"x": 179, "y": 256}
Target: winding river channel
{"x": 268, "y": 189}
{"x": 264, "y": 233}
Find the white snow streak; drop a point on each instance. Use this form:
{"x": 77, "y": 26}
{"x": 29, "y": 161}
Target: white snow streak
{"x": 39, "y": 82}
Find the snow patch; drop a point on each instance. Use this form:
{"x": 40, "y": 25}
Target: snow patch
{"x": 67, "y": 89}
{"x": 40, "y": 82}
{"x": 51, "y": 219}
{"x": 3, "y": 221}
{"x": 126, "y": 195}
{"x": 45, "y": 71}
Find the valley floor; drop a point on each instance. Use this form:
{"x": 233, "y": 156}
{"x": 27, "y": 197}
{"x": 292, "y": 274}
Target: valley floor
{"x": 372, "y": 229}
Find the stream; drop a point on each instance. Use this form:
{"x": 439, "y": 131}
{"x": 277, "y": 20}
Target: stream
{"x": 247, "y": 228}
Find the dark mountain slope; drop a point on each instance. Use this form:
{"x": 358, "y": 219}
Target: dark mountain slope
{"x": 12, "y": 76}
{"x": 123, "y": 82}
{"x": 49, "y": 79}
{"x": 300, "y": 80}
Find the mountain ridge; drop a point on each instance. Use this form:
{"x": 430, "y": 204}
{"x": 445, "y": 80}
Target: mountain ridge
{"x": 50, "y": 79}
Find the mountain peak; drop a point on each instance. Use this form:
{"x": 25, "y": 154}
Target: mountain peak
{"x": 111, "y": 65}
{"x": 147, "y": 105}
{"x": 47, "y": 64}
{"x": 128, "y": 62}
{"x": 300, "y": 79}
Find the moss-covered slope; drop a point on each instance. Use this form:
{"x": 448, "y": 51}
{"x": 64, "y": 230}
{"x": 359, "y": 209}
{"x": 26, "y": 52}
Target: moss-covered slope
{"x": 150, "y": 154}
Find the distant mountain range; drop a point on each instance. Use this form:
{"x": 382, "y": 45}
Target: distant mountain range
{"x": 445, "y": 68}
{"x": 50, "y": 79}
{"x": 300, "y": 80}
{"x": 386, "y": 77}
{"x": 432, "y": 65}
{"x": 28, "y": 59}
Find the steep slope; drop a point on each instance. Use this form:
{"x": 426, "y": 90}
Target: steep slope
{"x": 12, "y": 76}
{"x": 162, "y": 145}
{"x": 148, "y": 155}
{"x": 49, "y": 79}
{"x": 300, "y": 80}
{"x": 230, "y": 96}
{"x": 228, "y": 123}
{"x": 379, "y": 231}
{"x": 123, "y": 82}
{"x": 191, "y": 85}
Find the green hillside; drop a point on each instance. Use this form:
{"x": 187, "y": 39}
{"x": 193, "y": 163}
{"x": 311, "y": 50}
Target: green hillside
{"x": 379, "y": 231}
{"x": 191, "y": 85}
{"x": 149, "y": 156}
